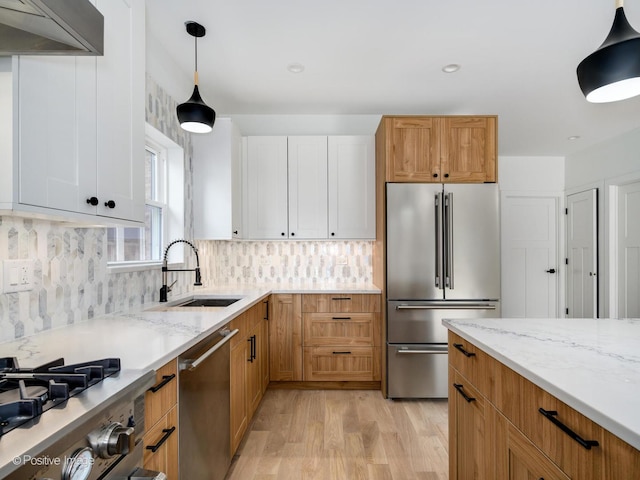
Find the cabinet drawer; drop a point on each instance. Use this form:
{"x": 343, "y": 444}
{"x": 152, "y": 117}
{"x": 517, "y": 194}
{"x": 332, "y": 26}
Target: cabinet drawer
{"x": 521, "y": 402}
{"x": 338, "y": 329}
{"x": 341, "y": 363}
{"x": 470, "y": 361}
{"x": 161, "y": 445}
{"x": 159, "y": 399}
{"x": 341, "y": 303}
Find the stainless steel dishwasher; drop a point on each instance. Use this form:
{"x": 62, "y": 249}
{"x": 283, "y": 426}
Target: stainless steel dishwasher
{"x": 205, "y": 450}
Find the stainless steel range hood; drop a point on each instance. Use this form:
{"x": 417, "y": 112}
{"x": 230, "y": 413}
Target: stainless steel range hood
{"x": 50, "y": 27}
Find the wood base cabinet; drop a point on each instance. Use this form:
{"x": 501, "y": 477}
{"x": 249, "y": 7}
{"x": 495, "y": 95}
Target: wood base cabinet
{"x": 161, "y": 422}
{"x": 249, "y": 366}
{"x": 341, "y": 337}
{"x": 285, "y": 338}
{"x": 501, "y": 425}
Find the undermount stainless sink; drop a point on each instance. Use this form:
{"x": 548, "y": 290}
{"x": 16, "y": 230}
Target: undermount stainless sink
{"x": 209, "y": 302}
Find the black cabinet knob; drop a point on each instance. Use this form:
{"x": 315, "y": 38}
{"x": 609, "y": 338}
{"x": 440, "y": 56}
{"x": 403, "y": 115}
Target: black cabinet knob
{"x": 282, "y": 234}
{"x": 92, "y": 201}
{"x": 435, "y": 175}
{"x": 333, "y": 234}
{"x": 293, "y": 234}
{"x": 110, "y": 204}
{"x": 446, "y": 175}
{"x": 235, "y": 232}
{"x": 551, "y": 270}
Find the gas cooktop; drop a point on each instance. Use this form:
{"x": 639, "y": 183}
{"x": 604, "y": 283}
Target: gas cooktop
{"x": 25, "y": 393}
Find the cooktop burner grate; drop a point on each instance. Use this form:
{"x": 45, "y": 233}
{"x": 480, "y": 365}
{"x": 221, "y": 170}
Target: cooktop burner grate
{"x": 25, "y": 393}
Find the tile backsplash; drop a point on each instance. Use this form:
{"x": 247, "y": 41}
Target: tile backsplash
{"x": 340, "y": 262}
{"x": 71, "y": 278}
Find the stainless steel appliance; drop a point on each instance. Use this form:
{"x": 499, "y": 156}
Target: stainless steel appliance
{"x": 204, "y": 410}
{"x": 442, "y": 261}
{"x": 72, "y": 422}
{"x": 50, "y": 27}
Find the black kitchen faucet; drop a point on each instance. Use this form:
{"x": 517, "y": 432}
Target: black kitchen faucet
{"x": 164, "y": 290}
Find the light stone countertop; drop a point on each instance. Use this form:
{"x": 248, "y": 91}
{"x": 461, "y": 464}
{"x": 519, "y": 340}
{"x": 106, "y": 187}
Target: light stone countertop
{"x": 592, "y": 365}
{"x": 144, "y": 340}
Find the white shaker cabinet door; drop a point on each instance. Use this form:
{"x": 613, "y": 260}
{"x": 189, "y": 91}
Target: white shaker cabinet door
{"x": 56, "y": 131}
{"x": 265, "y": 206}
{"x": 351, "y": 185}
{"x": 120, "y": 98}
{"x": 307, "y": 169}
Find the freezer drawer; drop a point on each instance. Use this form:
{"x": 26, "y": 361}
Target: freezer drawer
{"x": 421, "y": 321}
{"x": 417, "y": 371}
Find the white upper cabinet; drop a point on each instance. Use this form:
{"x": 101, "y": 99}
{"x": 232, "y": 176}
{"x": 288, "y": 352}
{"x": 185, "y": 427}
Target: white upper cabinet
{"x": 265, "y": 193}
{"x": 310, "y": 187}
{"x": 217, "y": 183}
{"x": 352, "y": 196}
{"x": 78, "y": 127}
{"x": 307, "y": 172}
{"x": 120, "y": 100}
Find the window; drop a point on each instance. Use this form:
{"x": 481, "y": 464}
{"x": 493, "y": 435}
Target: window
{"x": 137, "y": 247}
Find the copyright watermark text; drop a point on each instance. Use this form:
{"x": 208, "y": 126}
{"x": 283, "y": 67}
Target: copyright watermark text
{"x": 46, "y": 461}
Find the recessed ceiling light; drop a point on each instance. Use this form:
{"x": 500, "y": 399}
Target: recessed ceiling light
{"x": 295, "y": 67}
{"x": 573, "y": 137}
{"x": 451, "y": 68}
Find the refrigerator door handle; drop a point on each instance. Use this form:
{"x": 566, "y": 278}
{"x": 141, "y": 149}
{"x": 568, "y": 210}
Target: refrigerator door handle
{"x": 438, "y": 233}
{"x": 448, "y": 221}
{"x": 468, "y": 306}
{"x": 420, "y": 352}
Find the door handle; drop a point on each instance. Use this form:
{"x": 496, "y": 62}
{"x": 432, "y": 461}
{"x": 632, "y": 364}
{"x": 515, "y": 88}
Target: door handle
{"x": 551, "y": 270}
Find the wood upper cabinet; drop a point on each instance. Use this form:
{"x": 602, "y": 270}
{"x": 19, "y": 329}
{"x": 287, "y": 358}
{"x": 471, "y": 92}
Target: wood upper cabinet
{"x": 468, "y": 149}
{"x": 454, "y": 149}
{"x": 285, "y": 337}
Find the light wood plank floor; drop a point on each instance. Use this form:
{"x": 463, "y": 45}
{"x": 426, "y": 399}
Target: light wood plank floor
{"x": 343, "y": 434}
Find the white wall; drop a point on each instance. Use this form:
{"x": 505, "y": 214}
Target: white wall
{"x": 614, "y": 158}
{"x": 606, "y": 166}
{"x": 531, "y": 174}
{"x": 307, "y": 124}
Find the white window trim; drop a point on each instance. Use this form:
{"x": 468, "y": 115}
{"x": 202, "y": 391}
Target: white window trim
{"x": 174, "y": 219}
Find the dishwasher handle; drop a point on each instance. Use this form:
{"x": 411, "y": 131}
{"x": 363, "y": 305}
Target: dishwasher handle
{"x": 468, "y": 306}
{"x": 193, "y": 364}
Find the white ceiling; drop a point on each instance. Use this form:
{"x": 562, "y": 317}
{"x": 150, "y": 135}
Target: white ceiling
{"x": 518, "y": 61}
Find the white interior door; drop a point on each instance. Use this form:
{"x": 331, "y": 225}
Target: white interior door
{"x": 629, "y": 250}
{"x": 529, "y": 256}
{"x": 582, "y": 254}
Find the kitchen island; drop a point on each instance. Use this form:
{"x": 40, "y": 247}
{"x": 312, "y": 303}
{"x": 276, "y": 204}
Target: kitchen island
{"x": 143, "y": 340}
{"x": 529, "y": 375}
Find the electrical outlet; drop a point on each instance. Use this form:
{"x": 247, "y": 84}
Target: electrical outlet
{"x": 17, "y": 275}
{"x": 342, "y": 260}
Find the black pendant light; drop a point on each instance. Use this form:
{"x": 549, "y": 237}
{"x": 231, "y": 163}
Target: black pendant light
{"x": 612, "y": 72}
{"x": 194, "y": 115}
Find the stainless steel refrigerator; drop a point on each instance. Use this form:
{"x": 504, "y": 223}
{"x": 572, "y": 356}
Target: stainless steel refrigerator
{"x": 442, "y": 261}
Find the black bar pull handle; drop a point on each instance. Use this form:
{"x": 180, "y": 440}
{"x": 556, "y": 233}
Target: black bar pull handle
{"x": 460, "y": 390}
{"x": 342, "y": 353}
{"x": 253, "y": 347}
{"x": 341, "y": 298}
{"x": 340, "y": 318}
{"x": 165, "y": 379}
{"x": 266, "y": 302}
{"x": 167, "y": 433}
{"x": 551, "y": 416}
{"x": 250, "y": 340}
{"x": 459, "y": 346}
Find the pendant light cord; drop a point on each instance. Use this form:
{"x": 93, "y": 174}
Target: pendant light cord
{"x": 195, "y": 75}
{"x": 619, "y": 4}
